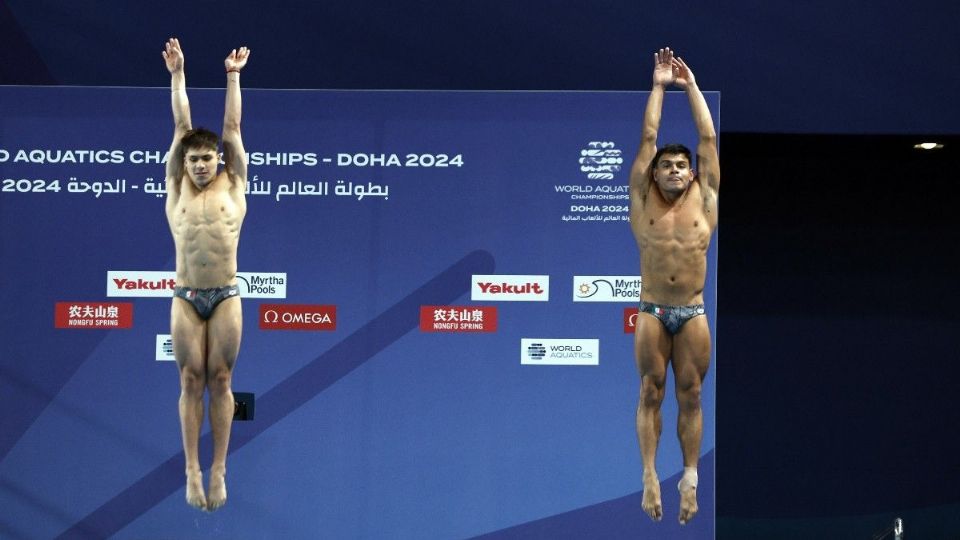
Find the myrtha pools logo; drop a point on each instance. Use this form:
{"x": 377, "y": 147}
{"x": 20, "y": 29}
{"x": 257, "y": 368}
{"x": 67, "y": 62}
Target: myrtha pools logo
{"x": 606, "y": 288}
{"x": 600, "y": 160}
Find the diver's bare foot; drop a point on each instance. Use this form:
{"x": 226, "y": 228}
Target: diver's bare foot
{"x": 651, "y": 497}
{"x": 195, "y": 496}
{"x": 217, "y": 491}
{"x": 688, "y": 503}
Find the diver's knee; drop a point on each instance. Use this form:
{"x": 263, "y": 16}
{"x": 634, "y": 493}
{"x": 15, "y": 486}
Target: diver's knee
{"x": 191, "y": 381}
{"x": 219, "y": 382}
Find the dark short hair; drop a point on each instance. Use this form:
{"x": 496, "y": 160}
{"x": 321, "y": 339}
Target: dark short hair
{"x": 671, "y": 149}
{"x": 199, "y": 138}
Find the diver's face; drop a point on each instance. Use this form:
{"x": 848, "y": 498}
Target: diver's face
{"x": 201, "y": 165}
{"x": 673, "y": 173}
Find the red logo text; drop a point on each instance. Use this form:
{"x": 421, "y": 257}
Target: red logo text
{"x": 102, "y": 315}
{"x": 458, "y": 319}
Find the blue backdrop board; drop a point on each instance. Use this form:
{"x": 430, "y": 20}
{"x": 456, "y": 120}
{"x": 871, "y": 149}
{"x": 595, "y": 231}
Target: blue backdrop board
{"x": 437, "y": 302}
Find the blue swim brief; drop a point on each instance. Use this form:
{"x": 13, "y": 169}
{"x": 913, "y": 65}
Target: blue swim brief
{"x": 672, "y": 317}
{"x": 206, "y": 300}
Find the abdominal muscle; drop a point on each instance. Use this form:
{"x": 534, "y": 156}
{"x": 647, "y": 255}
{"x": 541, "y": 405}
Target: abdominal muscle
{"x": 206, "y": 232}
{"x": 672, "y": 276}
{"x": 673, "y": 246}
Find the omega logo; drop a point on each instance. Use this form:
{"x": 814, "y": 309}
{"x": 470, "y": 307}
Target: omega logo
{"x": 273, "y": 316}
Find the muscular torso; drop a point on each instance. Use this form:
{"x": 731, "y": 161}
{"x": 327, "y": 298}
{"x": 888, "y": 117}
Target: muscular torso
{"x": 673, "y": 242}
{"x": 206, "y": 232}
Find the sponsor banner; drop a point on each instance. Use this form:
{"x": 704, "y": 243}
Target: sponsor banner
{"x": 140, "y": 284}
{"x": 510, "y": 288}
{"x": 93, "y": 315}
{"x": 262, "y": 284}
{"x": 560, "y": 352}
{"x": 606, "y": 288}
{"x": 165, "y": 348}
{"x": 630, "y": 315}
{"x": 458, "y": 319}
{"x": 134, "y": 283}
{"x": 298, "y": 317}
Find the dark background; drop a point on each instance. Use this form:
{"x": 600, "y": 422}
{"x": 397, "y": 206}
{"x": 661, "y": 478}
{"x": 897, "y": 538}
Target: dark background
{"x": 837, "y": 333}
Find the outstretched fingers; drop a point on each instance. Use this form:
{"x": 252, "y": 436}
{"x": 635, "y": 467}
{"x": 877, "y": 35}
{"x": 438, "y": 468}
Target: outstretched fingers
{"x": 237, "y": 58}
{"x": 663, "y": 72}
{"x": 664, "y": 56}
{"x": 682, "y": 72}
{"x": 172, "y": 54}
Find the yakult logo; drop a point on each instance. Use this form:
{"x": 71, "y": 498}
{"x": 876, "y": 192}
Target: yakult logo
{"x": 131, "y": 283}
{"x": 298, "y": 317}
{"x": 560, "y": 352}
{"x": 511, "y": 288}
{"x": 606, "y": 288}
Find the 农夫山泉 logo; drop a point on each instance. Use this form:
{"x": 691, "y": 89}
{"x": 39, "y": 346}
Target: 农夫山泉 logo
{"x": 102, "y": 315}
{"x": 458, "y": 319}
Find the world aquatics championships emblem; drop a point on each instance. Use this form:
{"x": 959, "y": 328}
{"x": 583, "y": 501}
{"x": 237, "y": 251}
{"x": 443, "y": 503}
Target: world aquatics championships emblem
{"x": 600, "y": 160}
